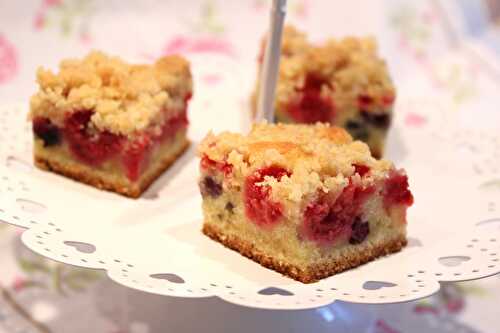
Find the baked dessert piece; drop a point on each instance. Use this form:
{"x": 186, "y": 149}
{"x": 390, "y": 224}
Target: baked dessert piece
{"x": 342, "y": 82}
{"x": 110, "y": 124}
{"x": 304, "y": 200}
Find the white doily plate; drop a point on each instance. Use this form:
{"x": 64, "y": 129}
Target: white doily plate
{"x": 155, "y": 244}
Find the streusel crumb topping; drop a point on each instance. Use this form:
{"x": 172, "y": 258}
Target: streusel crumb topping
{"x": 317, "y": 156}
{"x": 125, "y": 98}
{"x": 349, "y": 67}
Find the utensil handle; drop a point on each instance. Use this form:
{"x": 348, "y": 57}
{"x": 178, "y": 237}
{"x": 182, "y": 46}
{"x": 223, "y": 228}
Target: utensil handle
{"x": 270, "y": 68}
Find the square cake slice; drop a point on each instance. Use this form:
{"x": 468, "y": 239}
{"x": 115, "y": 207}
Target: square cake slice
{"x": 304, "y": 200}
{"x": 341, "y": 82}
{"x": 110, "y": 124}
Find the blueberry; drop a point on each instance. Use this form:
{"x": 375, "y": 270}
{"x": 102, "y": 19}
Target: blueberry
{"x": 229, "y": 207}
{"x": 357, "y": 129}
{"x": 46, "y": 131}
{"x": 360, "y": 231}
{"x": 353, "y": 125}
{"x": 210, "y": 187}
{"x": 379, "y": 120}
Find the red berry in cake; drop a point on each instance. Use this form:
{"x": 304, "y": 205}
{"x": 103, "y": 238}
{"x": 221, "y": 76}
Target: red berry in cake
{"x": 137, "y": 152}
{"x": 388, "y": 100}
{"x": 45, "y": 130}
{"x": 92, "y": 148}
{"x": 259, "y": 207}
{"x": 326, "y": 222}
{"x": 396, "y": 191}
{"x": 361, "y": 169}
{"x": 364, "y": 101}
{"x": 172, "y": 126}
{"x": 210, "y": 187}
{"x": 311, "y": 106}
{"x": 207, "y": 164}
{"x": 360, "y": 231}
{"x": 136, "y": 155}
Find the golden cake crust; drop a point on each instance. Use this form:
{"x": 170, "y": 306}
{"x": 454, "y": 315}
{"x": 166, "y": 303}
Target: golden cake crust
{"x": 312, "y": 273}
{"x": 317, "y": 156}
{"x": 125, "y": 98}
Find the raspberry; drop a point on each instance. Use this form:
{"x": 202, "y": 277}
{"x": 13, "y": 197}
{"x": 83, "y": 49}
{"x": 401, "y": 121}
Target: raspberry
{"x": 361, "y": 169}
{"x": 311, "y": 107}
{"x": 135, "y": 156}
{"x": 46, "y": 131}
{"x": 136, "y": 153}
{"x": 258, "y": 206}
{"x": 326, "y": 221}
{"x": 92, "y": 148}
{"x": 396, "y": 191}
{"x": 173, "y": 125}
{"x": 95, "y": 147}
{"x": 207, "y": 164}
{"x": 388, "y": 100}
{"x": 360, "y": 231}
{"x": 364, "y": 100}
{"x": 210, "y": 187}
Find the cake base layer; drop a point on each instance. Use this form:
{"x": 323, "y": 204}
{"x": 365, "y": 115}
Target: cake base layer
{"x": 62, "y": 164}
{"x": 314, "y": 272}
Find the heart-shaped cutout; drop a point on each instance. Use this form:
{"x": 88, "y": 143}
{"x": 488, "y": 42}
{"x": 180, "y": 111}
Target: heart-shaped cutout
{"x": 31, "y": 206}
{"x": 453, "y": 261}
{"x": 275, "y": 291}
{"x": 81, "y": 247}
{"x": 174, "y": 278}
{"x": 376, "y": 285}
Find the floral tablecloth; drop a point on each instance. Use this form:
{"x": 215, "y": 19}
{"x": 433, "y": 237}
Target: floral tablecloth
{"x": 452, "y": 48}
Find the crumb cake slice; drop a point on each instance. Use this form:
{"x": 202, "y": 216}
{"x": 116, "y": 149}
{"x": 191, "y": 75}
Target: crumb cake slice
{"x": 341, "y": 82}
{"x": 110, "y": 124}
{"x": 304, "y": 200}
